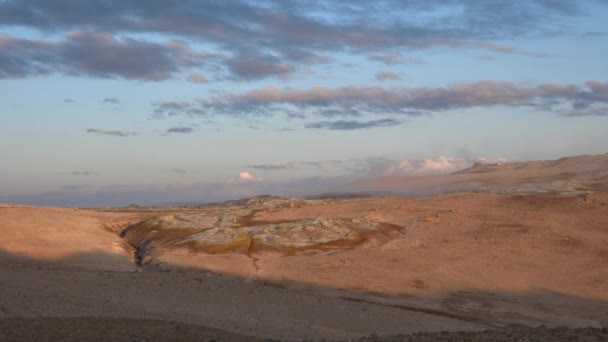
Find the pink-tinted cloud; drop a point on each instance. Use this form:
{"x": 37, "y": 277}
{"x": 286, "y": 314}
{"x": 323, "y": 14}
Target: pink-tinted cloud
{"x": 387, "y": 76}
{"x": 359, "y": 100}
{"x": 246, "y": 176}
{"x": 195, "y": 77}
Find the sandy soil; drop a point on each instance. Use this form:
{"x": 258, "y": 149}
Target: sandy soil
{"x": 464, "y": 261}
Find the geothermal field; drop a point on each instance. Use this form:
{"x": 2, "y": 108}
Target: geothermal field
{"x": 495, "y": 252}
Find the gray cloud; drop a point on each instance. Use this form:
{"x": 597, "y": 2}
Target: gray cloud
{"x": 594, "y": 34}
{"x": 252, "y": 67}
{"x": 351, "y": 125}
{"x": 269, "y": 167}
{"x": 284, "y": 34}
{"x": 84, "y": 173}
{"x": 171, "y": 108}
{"x": 387, "y": 76}
{"x": 95, "y": 54}
{"x": 316, "y": 164}
{"x": 111, "y": 100}
{"x": 295, "y": 23}
{"x": 304, "y": 164}
{"x": 75, "y": 187}
{"x": 111, "y": 133}
{"x": 67, "y": 14}
{"x": 394, "y": 58}
{"x": 601, "y": 111}
{"x": 486, "y": 57}
{"x": 195, "y": 77}
{"x": 181, "y": 130}
{"x": 178, "y": 171}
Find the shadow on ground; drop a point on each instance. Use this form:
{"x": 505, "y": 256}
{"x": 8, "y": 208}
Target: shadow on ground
{"x": 50, "y": 300}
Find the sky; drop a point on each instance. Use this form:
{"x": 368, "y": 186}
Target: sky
{"x": 161, "y": 102}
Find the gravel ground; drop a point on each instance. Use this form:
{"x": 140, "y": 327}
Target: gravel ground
{"x": 140, "y": 330}
{"x": 511, "y": 333}
{"x": 109, "y": 329}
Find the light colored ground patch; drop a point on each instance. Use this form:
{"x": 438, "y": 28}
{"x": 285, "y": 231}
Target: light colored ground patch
{"x": 302, "y": 233}
{"x": 224, "y": 231}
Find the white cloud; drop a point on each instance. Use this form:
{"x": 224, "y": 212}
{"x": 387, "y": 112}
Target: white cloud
{"x": 437, "y": 165}
{"x": 485, "y": 160}
{"x": 248, "y": 177}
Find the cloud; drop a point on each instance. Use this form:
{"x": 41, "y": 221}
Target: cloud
{"x": 599, "y": 111}
{"x": 178, "y": 171}
{"x": 393, "y": 58}
{"x": 84, "y": 173}
{"x": 180, "y": 130}
{"x": 68, "y": 101}
{"x": 269, "y": 167}
{"x": 315, "y": 164}
{"x": 111, "y": 133}
{"x": 245, "y": 176}
{"x": 485, "y": 93}
{"x": 195, "y": 77}
{"x": 253, "y": 67}
{"x": 594, "y": 34}
{"x": 283, "y": 35}
{"x": 358, "y": 101}
{"x": 351, "y": 125}
{"x": 111, "y": 100}
{"x": 75, "y": 187}
{"x": 96, "y": 54}
{"x": 436, "y": 165}
{"x": 486, "y": 57}
{"x": 172, "y": 108}
{"x": 387, "y": 76}
{"x": 299, "y": 165}
{"x": 295, "y": 22}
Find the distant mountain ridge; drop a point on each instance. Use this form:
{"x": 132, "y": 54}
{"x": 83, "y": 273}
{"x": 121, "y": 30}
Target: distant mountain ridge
{"x": 571, "y": 175}
{"x": 574, "y": 163}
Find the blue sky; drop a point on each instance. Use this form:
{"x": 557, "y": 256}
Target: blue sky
{"x": 108, "y": 103}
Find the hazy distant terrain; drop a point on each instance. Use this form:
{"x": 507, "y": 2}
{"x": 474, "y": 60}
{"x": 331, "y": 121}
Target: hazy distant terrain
{"x": 568, "y": 175}
{"x": 499, "y": 246}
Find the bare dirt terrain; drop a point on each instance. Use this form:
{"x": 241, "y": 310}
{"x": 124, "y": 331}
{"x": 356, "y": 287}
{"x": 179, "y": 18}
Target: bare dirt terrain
{"x": 526, "y": 246}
